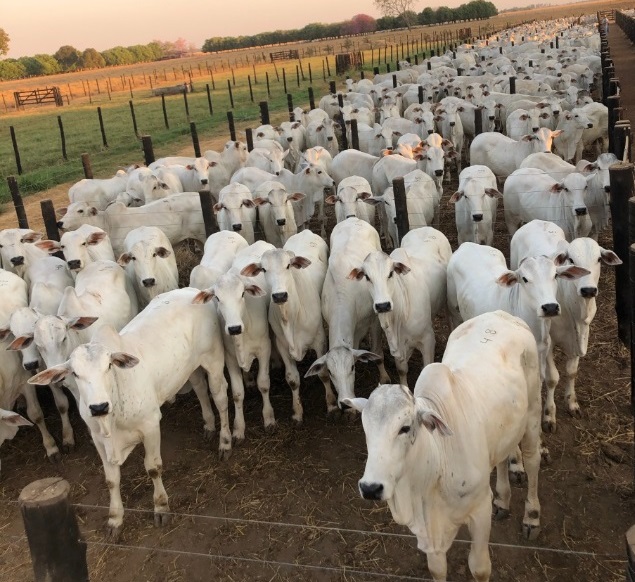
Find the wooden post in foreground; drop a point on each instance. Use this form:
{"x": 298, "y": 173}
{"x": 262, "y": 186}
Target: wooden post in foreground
{"x": 88, "y": 170}
{"x": 57, "y": 550}
{"x": 18, "y": 204}
{"x": 401, "y": 208}
{"x": 209, "y": 218}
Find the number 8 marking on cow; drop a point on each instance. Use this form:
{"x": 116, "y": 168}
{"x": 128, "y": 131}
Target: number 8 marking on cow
{"x": 489, "y": 332}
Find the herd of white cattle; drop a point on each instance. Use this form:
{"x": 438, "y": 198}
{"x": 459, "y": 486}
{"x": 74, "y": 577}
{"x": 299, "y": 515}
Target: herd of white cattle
{"x": 109, "y": 323}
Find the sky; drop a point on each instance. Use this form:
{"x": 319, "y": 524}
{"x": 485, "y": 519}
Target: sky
{"x": 42, "y": 26}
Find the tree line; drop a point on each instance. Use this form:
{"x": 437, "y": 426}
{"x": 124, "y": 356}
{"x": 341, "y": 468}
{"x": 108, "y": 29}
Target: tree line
{"x": 361, "y": 23}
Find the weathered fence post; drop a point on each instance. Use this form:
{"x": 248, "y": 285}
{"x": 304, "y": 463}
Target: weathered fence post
{"x": 621, "y": 180}
{"x": 18, "y": 204}
{"x": 284, "y": 80}
{"x": 57, "y": 551}
{"x": 249, "y": 136}
{"x": 290, "y": 106}
{"x": 148, "y": 150}
{"x": 264, "y": 113}
{"x": 478, "y": 121}
{"x": 354, "y": 135}
{"x": 102, "y": 128}
{"x": 232, "y": 127}
{"x": 195, "y": 143}
{"x": 50, "y": 223}
{"x": 231, "y": 95}
{"x": 251, "y": 91}
{"x": 311, "y": 99}
{"x": 62, "y": 136}
{"x": 512, "y": 85}
{"x": 401, "y": 208}
{"x": 134, "y": 119}
{"x": 420, "y": 94}
{"x": 165, "y": 112}
{"x": 209, "y": 219}
{"x": 332, "y": 87}
{"x": 16, "y": 151}
{"x": 88, "y": 170}
{"x": 209, "y": 100}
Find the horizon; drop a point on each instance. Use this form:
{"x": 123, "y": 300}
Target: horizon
{"x": 29, "y": 36}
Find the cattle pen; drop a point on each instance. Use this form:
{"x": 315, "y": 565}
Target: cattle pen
{"x": 285, "y": 506}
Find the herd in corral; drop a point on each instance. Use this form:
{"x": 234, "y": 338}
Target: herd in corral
{"x": 91, "y": 322}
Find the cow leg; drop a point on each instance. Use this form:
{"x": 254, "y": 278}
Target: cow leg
{"x": 264, "y": 384}
{"x": 61, "y": 402}
{"x": 218, "y": 389}
{"x": 551, "y": 380}
{"x": 438, "y": 565}
{"x": 429, "y": 343}
{"x": 401, "y": 364}
{"x": 512, "y": 222}
{"x": 516, "y": 467}
{"x": 530, "y": 445}
{"x": 480, "y": 524}
{"x": 154, "y": 467}
{"x": 238, "y": 393}
{"x": 319, "y": 346}
{"x": 36, "y": 416}
{"x": 569, "y": 386}
{"x": 503, "y": 491}
{"x": 200, "y": 388}
{"x": 375, "y": 342}
{"x": 112, "y": 473}
{"x": 292, "y": 376}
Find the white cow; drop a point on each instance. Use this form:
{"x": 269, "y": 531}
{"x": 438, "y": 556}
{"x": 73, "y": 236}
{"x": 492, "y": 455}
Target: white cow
{"x": 123, "y": 379}
{"x": 531, "y": 193}
{"x": 295, "y": 274}
{"x": 47, "y": 278}
{"x": 232, "y": 157}
{"x": 192, "y": 172}
{"x": 406, "y": 304}
{"x": 322, "y": 133}
{"x": 236, "y": 210}
{"x": 275, "y": 211}
{"x": 218, "y": 255}
{"x": 430, "y": 454}
{"x": 268, "y": 159}
{"x": 475, "y": 204}
{"x": 98, "y": 192}
{"x": 569, "y": 331}
{"x": 348, "y": 313}
{"x": 9, "y": 423}
{"x": 353, "y": 163}
{"x": 598, "y": 116}
{"x": 349, "y": 200}
{"x": 149, "y": 261}
{"x": 569, "y": 143}
{"x": 17, "y": 249}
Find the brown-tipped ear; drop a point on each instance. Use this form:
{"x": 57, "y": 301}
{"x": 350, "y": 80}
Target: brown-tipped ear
{"x": 248, "y": 203}
{"x": 400, "y": 268}
{"x": 364, "y": 196}
{"x": 123, "y": 360}
{"x": 92, "y": 211}
{"x": 254, "y": 291}
{"x": 572, "y": 272}
{"x": 261, "y": 201}
{"x": 455, "y": 197}
{"x": 50, "y": 246}
{"x": 610, "y": 258}
{"x": 189, "y": 167}
{"x": 79, "y": 323}
{"x": 203, "y": 297}
{"x": 14, "y": 419}
{"x": 4, "y": 333}
{"x": 356, "y": 274}
{"x": 124, "y": 259}
{"x": 307, "y": 170}
{"x": 19, "y": 343}
{"x": 296, "y": 196}
{"x": 299, "y": 262}
{"x": 252, "y": 270}
{"x": 432, "y": 421}
{"x": 95, "y": 238}
{"x": 61, "y": 211}
{"x": 451, "y": 154}
{"x": 218, "y": 207}
{"x": 493, "y": 193}
{"x": 365, "y": 356}
{"x": 163, "y": 252}
{"x": 556, "y": 188}
{"x": 317, "y": 367}
{"x": 331, "y": 199}
{"x": 508, "y": 279}
{"x": 50, "y": 375}
{"x": 31, "y": 237}
{"x": 560, "y": 259}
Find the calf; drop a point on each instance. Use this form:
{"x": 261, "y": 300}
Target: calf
{"x": 17, "y": 249}
{"x": 97, "y": 192}
{"x": 236, "y": 210}
{"x": 349, "y": 200}
{"x": 218, "y": 255}
{"x": 275, "y": 210}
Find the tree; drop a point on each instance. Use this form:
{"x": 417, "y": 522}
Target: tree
{"x": 67, "y": 56}
{"x": 4, "y": 42}
{"x": 11, "y": 69}
{"x": 358, "y": 24}
{"x": 91, "y": 59}
{"x": 403, "y": 8}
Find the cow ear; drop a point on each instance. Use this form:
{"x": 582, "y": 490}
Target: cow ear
{"x": 124, "y": 259}
{"x": 610, "y": 258}
{"x": 431, "y": 420}
{"x": 92, "y": 211}
{"x": 296, "y": 196}
{"x": 4, "y": 333}
{"x": 508, "y": 279}
{"x": 261, "y": 201}
{"x": 123, "y": 360}
{"x": 79, "y": 323}
{"x": 51, "y": 375}
{"x": 248, "y": 203}
{"x": 557, "y": 133}
{"x": 355, "y": 403}
{"x": 31, "y": 237}
{"x": 356, "y": 274}
{"x": 50, "y": 246}
{"x": 526, "y": 138}
{"x": 451, "y": 154}
{"x": 374, "y": 201}
{"x": 493, "y": 193}
{"x": 401, "y": 268}
{"x": 365, "y": 356}
{"x": 218, "y": 207}
{"x": 252, "y": 270}
{"x": 254, "y": 291}
{"x": 364, "y": 196}
{"x": 455, "y": 197}
{"x": 19, "y": 343}
{"x": 204, "y": 296}
{"x": 557, "y": 187}
{"x": 561, "y": 259}
{"x": 316, "y": 367}
{"x": 572, "y": 272}
{"x": 299, "y": 262}
{"x": 331, "y": 199}
{"x": 13, "y": 418}
{"x": 95, "y": 238}
{"x": 163, "y": 252}
{"x": 189, "y": 167}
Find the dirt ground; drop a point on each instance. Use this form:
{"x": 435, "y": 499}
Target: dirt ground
{"x": 285, "y": 506}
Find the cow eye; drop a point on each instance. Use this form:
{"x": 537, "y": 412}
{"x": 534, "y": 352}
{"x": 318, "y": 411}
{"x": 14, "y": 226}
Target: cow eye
{"x": 353, "y": 368}
{"x": 74, "y": 374}
{"x": 367, "y": 278}
{"x": 83, "y": 244}
{"x": 405, "y": 429}
{"x": 391, "y": 274}
{"x": 243, "y": 294}
{"x": 525, "y": 280}
{"x": 80, "y": 211}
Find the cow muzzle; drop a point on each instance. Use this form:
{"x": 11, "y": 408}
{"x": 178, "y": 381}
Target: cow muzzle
{"x": 279, "y": 298}
{"x": 150, "y": 282}
{"x": 60, "y": 225}
{"x": 17, "y": 261}
{"x": 580, "y": 211}
{"x": 281, "y": 221}
{"x": 588, "y": 292}
{"x": 550, "y": 309}
{"x": 204, "y": 182}
{"x": 371, "y": 491}
{"x": 384, "y": 307}
{"x": 589, "y": 125}
{"x": 31, "y": 366}
{"x": 99, "y": 409}
{"x": 438, "y": 172}
{"x": 74, "y": 265}
{"x": 477, "y": 217}
{"x": 237, "y": 227}
{"x": 430, "y": 131}
{"x": 235, "y": 329}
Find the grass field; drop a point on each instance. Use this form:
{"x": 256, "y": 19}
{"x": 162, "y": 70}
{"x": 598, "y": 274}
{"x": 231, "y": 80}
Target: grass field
{"x": 38, "y": 134}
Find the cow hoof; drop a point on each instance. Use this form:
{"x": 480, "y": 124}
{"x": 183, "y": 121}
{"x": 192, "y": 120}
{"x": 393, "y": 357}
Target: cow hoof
{"x": 575, "y": 412}
{"x": 68, "y": 448}
{"x": 238, "y": 440}
{"x": 224, "y": 454}
{"x": 500, "y": 513}
{"x": 161, "y": 519}
{"x": 545, "y": 457}
{"x": 270, "y": 428}
{"x": 518, "y": 477}
{"x": 55, "y": 458}
{"x": 531, "y": 532}
{"x": 208, "y": 434}
{"x": 297, "y": 421}
{"x": 549, "y": 426}
{"x": 113, "y": 533}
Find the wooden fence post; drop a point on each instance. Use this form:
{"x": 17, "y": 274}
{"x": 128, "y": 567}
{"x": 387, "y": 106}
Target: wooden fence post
{"x": 148, "y": 150}
{"x": 102, "y": 128}
{"x": 57, "y": 550}
{"x": 354, "y": 135}
{"x": 231, "y": 95}
{"x": 232, "y": 127}
{"x": 16, "y": 151}
{"x": 88, "y": 170}
{"x": 18, "y": 204}
{"x": 249, "y": 136}
{"x": 195, "y": 143}
{"x": 264, "y": 113}
{"x": 165, "y": 112}
{"x": 211, "y": 226}
{"x": 209, "y": 100}
{"x": 134, "y": 119}
{"x": 50, "y": 223}
{"x": 290, "y": 106}
{"x": 621, "y": 179}
{"x": 401, "y": 208}
{"x": 478, "y": 121}
{"x": 311, "y": 99}
{"x": 62, "y": 136}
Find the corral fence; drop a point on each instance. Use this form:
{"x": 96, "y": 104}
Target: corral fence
{"x": 284, "y": 55}
{"x": 609, "y": 14}
{"x": 38, "y": 97}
